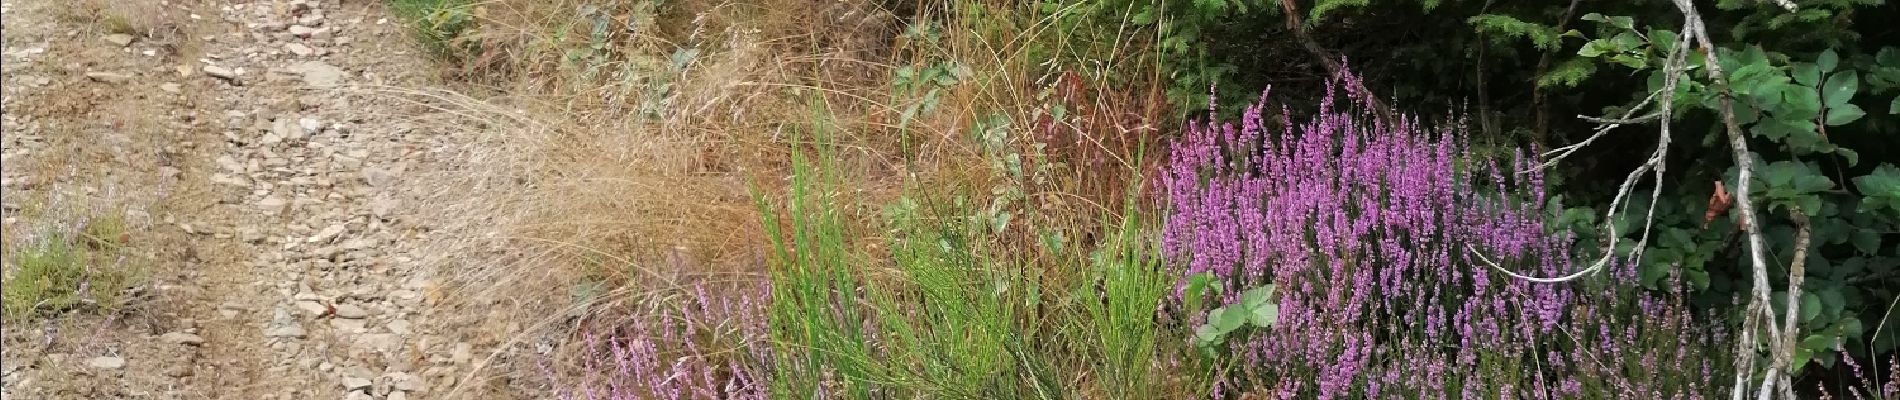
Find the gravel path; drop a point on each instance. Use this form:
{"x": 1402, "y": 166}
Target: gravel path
{"x": 270, "y": 184}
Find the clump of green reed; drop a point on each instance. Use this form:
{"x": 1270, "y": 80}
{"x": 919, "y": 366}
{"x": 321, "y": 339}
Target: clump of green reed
{"x": 956, "y": 309}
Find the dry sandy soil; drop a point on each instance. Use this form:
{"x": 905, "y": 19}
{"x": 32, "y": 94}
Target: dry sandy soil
{"x": 271, "y": 182}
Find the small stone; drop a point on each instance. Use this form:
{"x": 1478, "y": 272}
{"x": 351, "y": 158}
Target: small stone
{"x": 299, "y": 49}
{"x": 397, "y": 395}
{"x": 463, "y": 353}
{"x": 119, "y": 39}
{"x": 400, "y": 326}
{"x": 104, "y": 362}
{"x": 310, "y": 125}
{"x": 287, "y": 128}
{"x": 301, "y": 31}
{"x": 347, "y": 325}
{"x": 273, "y": 205}
{"x": 326, "y": 234}
{"x": 108, "y": 77}
{"x": 355, "y": 383}
{"x": 404, "y": 382}
{"x": 182, "y": 338}
{"x": 171, "y": 87}
{"x": 351, "y": 311}
{"x": 312, "y": 307}
{"x": 220, "y": 72}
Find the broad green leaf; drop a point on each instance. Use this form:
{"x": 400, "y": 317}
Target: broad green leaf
{"x": 1628, "y": 41}
{"x": 1817, "y": 342}
{"x": 1844, "y": 114}
{"x": 1810, "y": 306}
{"x": 1266, "y": 316}
{"x": 1868, "y": 241}
{"x": 1595, "y": 48}
{"x": 1623, "y": 22}
{"x": 1207, "y": 335}
{"x": 1811, "y": 182}
{"x": 1800, "y": 103}
{"x": 1831, "y": 299}
{"x": 1807, "y": 74}
{"x": 1853, "y": 157}
{"x": 1894, "y": 108}
{"x": 1828, "y": 60}
{"x": 1627, "y": 60}
{"x": 1840, "y": 88}
{"x": 1256, "y": 297}
{"x": 1228, "y": 319}
{"x": 1663, "y": 40}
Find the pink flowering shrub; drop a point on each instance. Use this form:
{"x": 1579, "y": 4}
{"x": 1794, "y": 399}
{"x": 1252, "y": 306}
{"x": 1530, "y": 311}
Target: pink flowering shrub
{"x": 704, "y": 347}
{"x": 1370, "y": 231}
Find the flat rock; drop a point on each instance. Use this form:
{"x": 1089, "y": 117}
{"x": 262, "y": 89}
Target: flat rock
{"x": 104, "y": 362}
{"x": 220, "y": 72}
{"x": 399, "y": 326}
{"x": 355, "y": 383}
{"x": 318, "y": 73}
{"x": 299, "y": 49}
{"x": 273, "y": 205}
{"x": 312, "y": 307}
{"x": 292, "y": 330}
{"x": 182, "y": 338}
{"x": 351, "y": 311}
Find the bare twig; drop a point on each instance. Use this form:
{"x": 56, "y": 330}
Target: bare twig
{"x": 1608, "y": 124}
{"x": 1655, "y": 165}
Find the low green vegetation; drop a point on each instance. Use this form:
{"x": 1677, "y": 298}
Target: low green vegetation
{"x": 951, "y": 308}
{"x": 437, "y": 24}
{"x": 66, "y": 272}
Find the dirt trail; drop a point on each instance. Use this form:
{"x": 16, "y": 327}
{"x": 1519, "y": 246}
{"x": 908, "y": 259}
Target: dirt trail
{"x": 266, "y": 184}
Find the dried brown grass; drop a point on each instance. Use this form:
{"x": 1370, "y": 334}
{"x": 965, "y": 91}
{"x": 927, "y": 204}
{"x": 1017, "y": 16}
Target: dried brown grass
{"x": 566, "y": 177}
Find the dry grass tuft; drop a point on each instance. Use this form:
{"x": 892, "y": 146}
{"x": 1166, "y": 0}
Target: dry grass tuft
{"x": 613, "y": 158}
